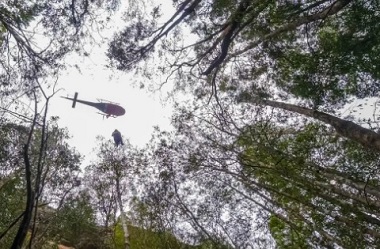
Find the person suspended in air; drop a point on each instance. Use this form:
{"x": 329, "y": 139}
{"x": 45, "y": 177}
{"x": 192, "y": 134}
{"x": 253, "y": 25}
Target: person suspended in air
{"x": 117, "y": 138}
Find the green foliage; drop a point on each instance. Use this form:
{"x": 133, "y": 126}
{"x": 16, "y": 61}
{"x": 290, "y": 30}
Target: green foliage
{"x": 12, "y": 196}
{"x": 22, "y": 13}
{"x": 144, "y": 239}
{"x": 119, "y": 241}
{"x": 75, "y": 224}
{"x": 12, "y": 186}
{"x": 37, "y": 35}
{"x": 314, "y": 178}
{"x": 141, "y": 238}
{"x": 219, "y": 7}
{"x": 286, "y": 236}
{"x": 319, "y": 189}
{"x": 57, "y": 171}
{"x": 320, "y": 51}
{"x": 341, "y": 61}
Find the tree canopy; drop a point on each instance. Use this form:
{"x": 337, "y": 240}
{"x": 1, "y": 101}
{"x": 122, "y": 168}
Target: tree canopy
{"x": 261, "y": 154}
{"x": 268, "y": 79}
{"x": 320, "y": 51}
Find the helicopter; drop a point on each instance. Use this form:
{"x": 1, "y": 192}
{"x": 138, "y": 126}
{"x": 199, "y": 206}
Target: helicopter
{"x": 107, "y": 108}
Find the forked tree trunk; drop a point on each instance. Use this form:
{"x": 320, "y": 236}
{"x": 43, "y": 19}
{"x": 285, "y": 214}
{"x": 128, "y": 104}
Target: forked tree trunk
{"x": 24, "y": 225}
{"x": 366, "y": 137}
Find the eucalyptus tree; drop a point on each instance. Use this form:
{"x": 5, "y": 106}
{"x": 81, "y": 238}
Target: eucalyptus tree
{"x": 195, "y": 202}
{"x": 140, "y": 181}
{"x": 59, "y": 181}
{"x": 315, "y": 188}
{"x": 113, "y": 183}
{"x": 315, "y": 183}
{"x": 102, "y": 188}
{"x": 310, "y": 186}
{"x": 35, "y": 37}
{"x": 367, "y": 137}
{"x": 322, "y": 51}
{"x": 37, "y": 34}
{"x": 41, "y": 173}
{"x": 75, "y": 224}
{"x": 270, "y": 49}
{"x": 11, "y": 180}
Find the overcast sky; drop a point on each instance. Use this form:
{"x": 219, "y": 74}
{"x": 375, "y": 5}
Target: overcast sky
{"x": 144, "y": 109}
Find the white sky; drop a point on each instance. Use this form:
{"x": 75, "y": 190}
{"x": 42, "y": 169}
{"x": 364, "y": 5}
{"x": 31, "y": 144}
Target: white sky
{"x": 144, "y": 109}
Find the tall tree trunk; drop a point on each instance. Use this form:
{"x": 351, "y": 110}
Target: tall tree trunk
{"x": 366, "y": 137}
{"x": 23, "y": 228}
{"x": 122, "y": 214}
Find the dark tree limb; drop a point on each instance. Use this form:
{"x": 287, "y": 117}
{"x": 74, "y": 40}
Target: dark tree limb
{"x": 366, "y": 137}
{"x": 228, "y": 35}
{"x": 23, "y": 228}
{"x": 186, "y": 12}
{"x": 11, "y": 225}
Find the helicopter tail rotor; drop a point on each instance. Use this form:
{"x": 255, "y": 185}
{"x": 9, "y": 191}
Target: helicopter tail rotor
{"x": 75, "y": 99}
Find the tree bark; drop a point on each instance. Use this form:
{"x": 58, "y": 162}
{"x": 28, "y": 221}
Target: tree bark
{"x": 23, "y": 228}
{"x": 122, "y": 214}
{"x": 366, "y": 137}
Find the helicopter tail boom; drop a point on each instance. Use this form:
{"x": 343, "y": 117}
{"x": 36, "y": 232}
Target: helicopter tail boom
{"x": 109, "y": 109}
{"x": 76, "y": 100}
